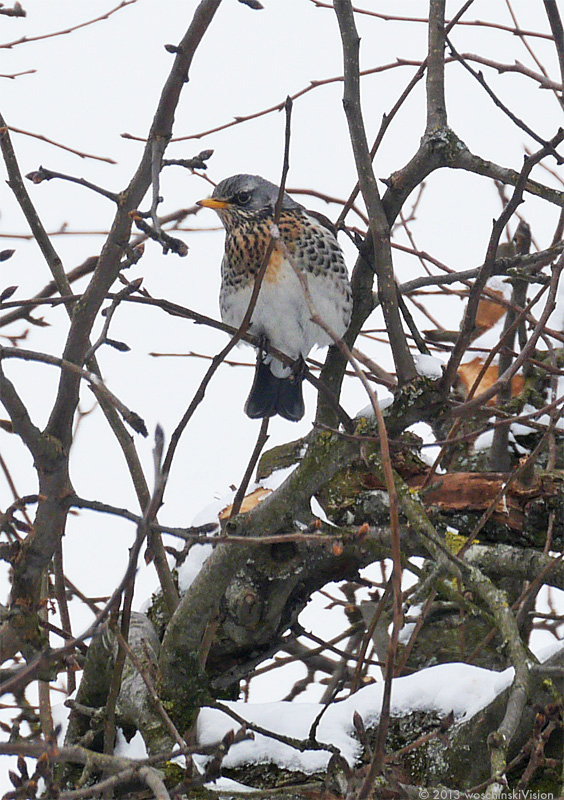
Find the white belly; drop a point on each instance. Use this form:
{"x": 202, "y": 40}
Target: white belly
{"x": 283, "y": 315}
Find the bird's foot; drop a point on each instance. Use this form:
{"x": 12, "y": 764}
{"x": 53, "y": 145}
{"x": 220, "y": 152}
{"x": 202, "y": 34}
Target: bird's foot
{"x": 262, "y": 348}
{"x": 299, "y": 368}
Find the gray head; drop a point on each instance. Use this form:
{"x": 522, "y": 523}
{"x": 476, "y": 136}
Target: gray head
{"x": 247, "y": 193}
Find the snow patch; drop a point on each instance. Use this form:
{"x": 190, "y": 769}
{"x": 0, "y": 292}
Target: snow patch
{"x": 226, "y": 785}
{"x": 200, "y": 552}
{"x": 383, "y": 403}
{"x": 135, "y": 748}
{"x": 484, "y": 441}
{"x": 457, "y": 687}
{"x": 428, "y": 366}
{"x": 194, "y": 562}
{"x": 317, "y": 511}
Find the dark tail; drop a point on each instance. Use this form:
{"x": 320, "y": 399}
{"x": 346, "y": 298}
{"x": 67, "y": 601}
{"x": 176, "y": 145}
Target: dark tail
{"x": 270, "y": 395}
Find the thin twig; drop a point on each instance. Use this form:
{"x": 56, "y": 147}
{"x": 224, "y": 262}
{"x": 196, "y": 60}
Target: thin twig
{"x": 425, "y": 21}
{"x": 548, "y": 146}
{"x": 43, "y": 174}
{"x": 42, "y": 36}
{"x": 297, "y": 744}
{"x": 279, "y": 106}
{"x": 121, "y": 295}
{"x": 255, "y": 455}
{"x": 131, "y": 417}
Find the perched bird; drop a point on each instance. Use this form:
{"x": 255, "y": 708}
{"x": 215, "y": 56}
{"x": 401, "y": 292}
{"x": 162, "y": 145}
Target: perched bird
{"x": 307, "y": 240}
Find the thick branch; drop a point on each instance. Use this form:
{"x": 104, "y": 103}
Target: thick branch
{"x": 379, "y": 227}
{"x": 496, "y": 602}
{"x": 436, "y": 105}
{"x": 325, "y": 456}
{"x": 464, "y": 159}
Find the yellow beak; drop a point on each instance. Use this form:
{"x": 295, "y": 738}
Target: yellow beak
{"x": 213, "y": 202}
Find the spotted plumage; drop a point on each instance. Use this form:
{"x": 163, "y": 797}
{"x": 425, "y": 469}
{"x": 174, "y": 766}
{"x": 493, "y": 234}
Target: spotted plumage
{"x": 245, "y": 204}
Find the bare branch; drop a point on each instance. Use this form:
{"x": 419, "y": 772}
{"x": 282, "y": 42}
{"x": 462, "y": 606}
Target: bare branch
{"x": 40, "y": 37}
{"x": 519, "y": 122}
{"x": 43, "y": 138}
{"x": 43, "y": 174}
{"x": 436, "y": 106}
{"x": 555, "y": 20}
{"x": 15, "y": 11}
{"x": 379, "y": 227}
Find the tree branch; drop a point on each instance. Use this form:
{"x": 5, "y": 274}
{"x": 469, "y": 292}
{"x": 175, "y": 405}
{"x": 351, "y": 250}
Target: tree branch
{"x": 436, "y": 105}
{"x": 379, "y": 226}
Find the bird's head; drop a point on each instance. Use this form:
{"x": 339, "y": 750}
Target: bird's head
{"x": 245, "y": 195}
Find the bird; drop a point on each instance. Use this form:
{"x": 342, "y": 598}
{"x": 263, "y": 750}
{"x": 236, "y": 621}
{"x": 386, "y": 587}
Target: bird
{"x": 306, "y": 240}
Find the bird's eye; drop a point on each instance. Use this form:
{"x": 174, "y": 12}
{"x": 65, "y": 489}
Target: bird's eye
{"x": 243, "y": 198}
